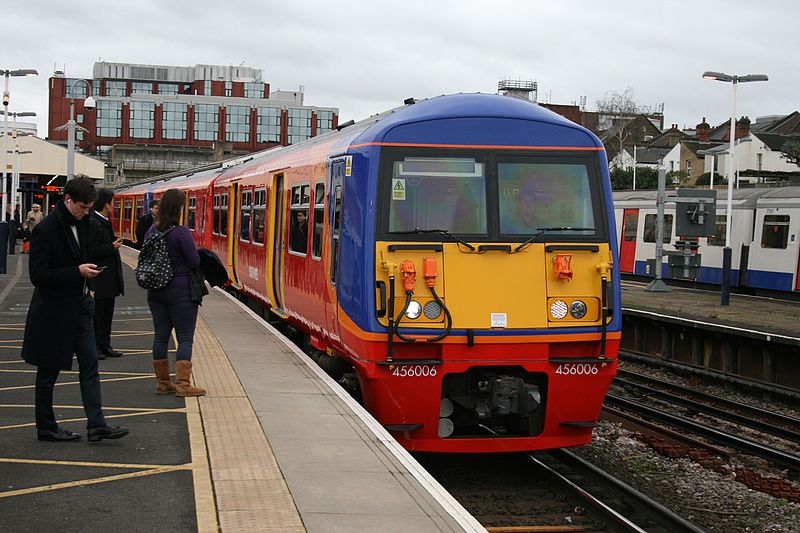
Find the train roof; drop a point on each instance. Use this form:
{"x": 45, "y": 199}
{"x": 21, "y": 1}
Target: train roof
{"x": 745, "y": 197}
{"x": 781, "y": 197}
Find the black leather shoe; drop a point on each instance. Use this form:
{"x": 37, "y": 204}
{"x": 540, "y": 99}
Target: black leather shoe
{"x": 100, "y": 355}
{"x": 106, "y": 432}
{"x": 59, "y": 435}
{"x": 111, "y": 352}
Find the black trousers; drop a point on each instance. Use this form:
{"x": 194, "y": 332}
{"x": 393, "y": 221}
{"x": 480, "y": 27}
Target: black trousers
{"x": 86, "y": 353}
{"x": 103, "y": 315}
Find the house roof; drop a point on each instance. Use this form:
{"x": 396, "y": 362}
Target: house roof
{"x": 697, "y": 146}
{"x": 648, "y": 155}
{"x": 775, "y": 141}
{"x": 778, "y": 124}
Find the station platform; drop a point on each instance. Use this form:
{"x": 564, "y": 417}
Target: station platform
{"x": 276, "y": 445}
{"x": 760, "y": 315}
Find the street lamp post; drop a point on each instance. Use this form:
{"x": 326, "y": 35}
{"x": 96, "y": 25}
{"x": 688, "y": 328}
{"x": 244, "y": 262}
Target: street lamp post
{"x": 15, "y": 198}
{"x": 726, "y": 252}
{"x": 4, "y": 230}
{"x": 89, "y": 103}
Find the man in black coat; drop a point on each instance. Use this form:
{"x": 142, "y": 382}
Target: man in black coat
{"x": 60, "y": 316}
{"x": 145, "y": 221}
{"x": 109, "y": 283}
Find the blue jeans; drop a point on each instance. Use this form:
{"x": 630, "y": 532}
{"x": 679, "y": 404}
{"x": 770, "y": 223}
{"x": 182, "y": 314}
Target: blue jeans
{"x": 172, "y": 308}
{"x": 86, "y": 353}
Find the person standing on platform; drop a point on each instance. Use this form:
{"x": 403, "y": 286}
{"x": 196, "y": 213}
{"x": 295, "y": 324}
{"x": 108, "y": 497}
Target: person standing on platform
{"x": 109, "y": 283}
{"x": 35, "y": 216}
{"x": 145, "y": 221}
{"x": 175, "y": 306}
{"x": 60, "y": 316}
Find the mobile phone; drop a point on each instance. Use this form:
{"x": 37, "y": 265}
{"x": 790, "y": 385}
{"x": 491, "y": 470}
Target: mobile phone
{"x": 101, "y": 268}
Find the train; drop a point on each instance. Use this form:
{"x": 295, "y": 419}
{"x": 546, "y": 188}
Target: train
{"x": 453, "y": 256}
{"x": 764, "y": 244}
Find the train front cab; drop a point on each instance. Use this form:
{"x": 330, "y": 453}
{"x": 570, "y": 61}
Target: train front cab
{"x": 494, "y": 271}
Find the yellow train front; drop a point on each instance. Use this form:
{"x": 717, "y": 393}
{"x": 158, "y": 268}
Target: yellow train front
{"x": 474, "y": 274}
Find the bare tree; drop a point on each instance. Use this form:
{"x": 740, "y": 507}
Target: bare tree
{"x": 616, "y": 110}
{"x": 791, "y": 151}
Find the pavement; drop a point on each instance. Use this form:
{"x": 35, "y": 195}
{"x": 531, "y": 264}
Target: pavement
{"x": 142, "y": 482}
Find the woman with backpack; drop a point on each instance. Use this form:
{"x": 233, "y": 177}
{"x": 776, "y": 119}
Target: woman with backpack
{"x": 175, "y": 305}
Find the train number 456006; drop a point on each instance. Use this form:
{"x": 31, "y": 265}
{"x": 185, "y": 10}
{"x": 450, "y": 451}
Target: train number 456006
{"x": 577, "y": 369}
{"x": 414, "y": 371}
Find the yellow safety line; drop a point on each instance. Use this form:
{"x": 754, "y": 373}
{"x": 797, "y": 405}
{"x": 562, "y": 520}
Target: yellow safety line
{"x": 75, "y": 382}
{"x": 16, "y": 347}
{"x": 70, "y": 372}
{"x": 15, "y": 460}
{"x": 12, "y": 328}
{"x": 82, "y": 483}
{"x": 105, "y": 407}
{"x": 12, "y": 362}
{"x": 205, "y": 503}
{"x": 140, "y": 413}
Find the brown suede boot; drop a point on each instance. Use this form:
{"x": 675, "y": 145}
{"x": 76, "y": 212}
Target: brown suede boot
{"x": 164, "y": 385}
{"x": 183, "y": 378}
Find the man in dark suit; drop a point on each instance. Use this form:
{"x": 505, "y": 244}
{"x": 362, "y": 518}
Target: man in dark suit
{"x": 109, "y": 283}
{"x": 60, "y": 316}
{"x": 145, "y": 221}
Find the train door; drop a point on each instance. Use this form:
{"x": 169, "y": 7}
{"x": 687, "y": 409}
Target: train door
{"x": 627, "y": 248}
{"x": 234, "y": 218}
{"x": 276, "y": 245}
{"x": 335, "y": 197}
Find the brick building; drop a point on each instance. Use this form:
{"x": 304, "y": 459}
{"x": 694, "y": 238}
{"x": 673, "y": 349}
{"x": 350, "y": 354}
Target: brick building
{"x": 152, "y": 119}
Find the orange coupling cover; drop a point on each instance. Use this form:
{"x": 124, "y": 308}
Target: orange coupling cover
{"x": 429, "y": 271}
{"x": 409, "y": 273}
{"x": 562, "y": 262}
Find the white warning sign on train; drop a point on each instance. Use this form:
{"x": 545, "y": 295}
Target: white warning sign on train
{"x": 398, "y": 189}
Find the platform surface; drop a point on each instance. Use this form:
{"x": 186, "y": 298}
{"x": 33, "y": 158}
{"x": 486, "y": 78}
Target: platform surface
{"x": 274, "y": 446}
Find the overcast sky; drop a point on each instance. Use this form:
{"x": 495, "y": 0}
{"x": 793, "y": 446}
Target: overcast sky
{"x": 367, "y": 56}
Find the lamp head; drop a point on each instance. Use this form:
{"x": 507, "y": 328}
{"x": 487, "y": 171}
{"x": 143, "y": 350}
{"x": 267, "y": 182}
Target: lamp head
{"x": 90, "y": 103}
{"x": 717, "y": 76}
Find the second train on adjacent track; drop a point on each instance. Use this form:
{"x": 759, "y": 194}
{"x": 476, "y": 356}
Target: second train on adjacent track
{"x": 456, "y": 255}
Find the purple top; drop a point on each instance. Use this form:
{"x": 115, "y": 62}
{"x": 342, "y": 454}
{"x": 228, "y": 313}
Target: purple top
{"x": 182, "y": 254}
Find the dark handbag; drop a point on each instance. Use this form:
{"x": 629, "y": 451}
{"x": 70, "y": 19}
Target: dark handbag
{"x": 213, "y": 269}
{"x": 197, "y": 285}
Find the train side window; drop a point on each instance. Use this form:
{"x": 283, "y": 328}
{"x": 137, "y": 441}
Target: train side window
{"x": 215, "y": 225}
{"x": 223, "y": 214}
{"x": 191, "y": 217}
{"x": 259, "y": 216}
{"x": 650, "y": 228}
{"x": 319, "y": 218}
{"x": 247, "y": 212}
{"x": 139, "y": 208}
{"x": 117, "y": 205}
{"x": 298, "y": 228}
{"x": 775, "y": 231}
{"x": 719, "y": 232}
{"x": 203, "y": 215}
{"x": 335, "y": 231}
{"x": 631, "y": 221}
{"x": 128, "y": 210}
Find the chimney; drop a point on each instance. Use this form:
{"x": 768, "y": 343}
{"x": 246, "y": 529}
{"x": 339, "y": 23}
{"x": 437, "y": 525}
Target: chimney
{"x": 703, "y": 130}
{"x": 742, "y": 127}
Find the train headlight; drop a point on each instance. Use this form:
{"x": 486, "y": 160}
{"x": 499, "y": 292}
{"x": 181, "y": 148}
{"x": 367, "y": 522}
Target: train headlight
{"x": 577, "y": 309}
{"x": 558, "y": 309}
{"x": 414, "y": 309}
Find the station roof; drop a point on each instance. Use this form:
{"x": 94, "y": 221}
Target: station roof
{"x": 38, "y": 156}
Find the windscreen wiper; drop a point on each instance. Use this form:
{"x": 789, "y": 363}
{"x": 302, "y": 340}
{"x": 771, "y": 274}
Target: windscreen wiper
{"x": 418, "y": 231}
{"x": 540, "y": 231}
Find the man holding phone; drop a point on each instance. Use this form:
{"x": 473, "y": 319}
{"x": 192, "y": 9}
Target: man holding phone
{"x": 109, "y": 283}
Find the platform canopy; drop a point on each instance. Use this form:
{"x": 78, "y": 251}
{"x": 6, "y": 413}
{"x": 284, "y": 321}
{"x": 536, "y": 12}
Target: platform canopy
{"x": 48, "y": 159}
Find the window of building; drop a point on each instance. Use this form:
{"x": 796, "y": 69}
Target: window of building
{"x": 75, "y": 88}
{"x": 141, "y": 87}
{"x": 254, "y": 90}
{"x": 116, "y": 88}
{"x": 759, "y": 160}
{"x": 228, "y": 88}
{"x": 650, "y": 228}
{"x": 689, "y": 167}
{"x": 109, "y": 118}
{"x": 299, "y": 125}
{"x": 173, "y": 120}
{"x": 775, "y": 231}
{"x": 247, "y": 214}
{"x": 207, "y": 87}
{"x": 237, "y": 123}
{"x": 259, "y": 216}
{"x": 298, "y": 226}
{"x": 96, "y": 87}
{"x": 142, "y": 120}
{"x": 168, "y": 88}
{"x": 269, "y": 125}
{"x": 719, "y": 231}
{"x": 324, "y": 121}
{"x": 206, "y": 122}
{"x": 319, "y": 220}
{"x": 191, "y": 217}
